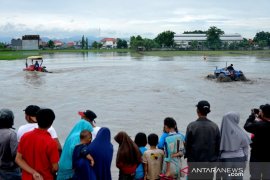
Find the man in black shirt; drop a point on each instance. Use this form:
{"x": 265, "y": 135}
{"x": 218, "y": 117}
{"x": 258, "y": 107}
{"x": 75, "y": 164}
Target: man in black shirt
{"x": 260, "y": 148}
{"x": 202, "y": 143}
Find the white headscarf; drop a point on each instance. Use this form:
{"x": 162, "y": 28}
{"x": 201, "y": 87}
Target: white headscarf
{"x": 232, "y": 136}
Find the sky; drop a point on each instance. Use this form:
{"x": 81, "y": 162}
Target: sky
{"x": 125, "y": 18}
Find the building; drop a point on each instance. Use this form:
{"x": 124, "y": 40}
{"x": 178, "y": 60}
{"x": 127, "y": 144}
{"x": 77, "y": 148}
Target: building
{"x": 109, "y": 43}
{"x": 184, "y": 40}
{"x": 30, "y": 42}
{"x": 16, "y": 44}
{"x": 58, "y": 43}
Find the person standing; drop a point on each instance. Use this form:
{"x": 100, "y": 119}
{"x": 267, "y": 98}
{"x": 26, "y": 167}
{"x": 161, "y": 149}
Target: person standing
{"x": 90, "y": 116}
{"x": 174, "y": 150}
{"x": 37, "y": 153}
{"x": 152, "y": 159}
{"x": 73, "y": 139}
{"x": 30, "y": 117}
{"x": 8, "y": 147}
{"x": 260, "y": 156}
{"x": 141, "y": 141}
{"x": 234, "y": 144}
{"x": 102, "y": 151}
{"x": 202, "y": 143}
{"x": 128, "y": 156}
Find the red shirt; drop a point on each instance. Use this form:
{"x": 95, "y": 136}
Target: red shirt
{"x": 127, "y": 169}
{"x": 40, "y": 151}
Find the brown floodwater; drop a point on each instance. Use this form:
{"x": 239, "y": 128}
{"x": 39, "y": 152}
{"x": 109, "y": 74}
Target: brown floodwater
{"x": 133, "y": 94}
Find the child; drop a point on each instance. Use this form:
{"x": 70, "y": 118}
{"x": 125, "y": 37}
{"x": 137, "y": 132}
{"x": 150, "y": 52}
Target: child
{"x": 80, "y": 159}
{"x": 141, "y": 141}
{"x": 152, "y": 159}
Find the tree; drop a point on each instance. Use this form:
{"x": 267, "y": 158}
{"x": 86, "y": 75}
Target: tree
{"x": 165, "y": 39}
{"x": 121, "y": 43}
{"x": 83, "y": 42}
{"x": 51, "y": 44}
{"x": 262, "y": 39}
{"x": 96, "y": 45}
{"x": 149, "y": 44}
{"x": 195, "y": 32}
{"x": 194, "y": 45}
{"x": 136, "y": 42}
{"x": 86, "y": 43}
{"x": 213, "y": 38}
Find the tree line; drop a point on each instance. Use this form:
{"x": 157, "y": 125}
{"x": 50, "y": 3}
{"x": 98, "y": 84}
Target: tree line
{"x": 165, "y": 40}
{"x": 213, "y": 41}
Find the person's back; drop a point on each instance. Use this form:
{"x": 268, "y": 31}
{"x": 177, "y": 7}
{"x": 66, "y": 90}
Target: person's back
{"x": 30, "y": 117}
{"x": 141, "y": 141}
{"x": 38, "y": 150}
{"x": 8, "y": 146}
{"x": 203, "y": 140}
{"x": 202, "y": 143}
{"x": 153, "y": 158}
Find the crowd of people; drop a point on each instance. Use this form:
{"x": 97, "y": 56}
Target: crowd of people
{"x": 34, "y": 151}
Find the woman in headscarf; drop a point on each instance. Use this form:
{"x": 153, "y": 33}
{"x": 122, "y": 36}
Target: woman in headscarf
{"x": 128, "y": 156}
{"x": 234, "y": 143}
{"x": 65, "y": 164}
{"x": 102, "y": 151}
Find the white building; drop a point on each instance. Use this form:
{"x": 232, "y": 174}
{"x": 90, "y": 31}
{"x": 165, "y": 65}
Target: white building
{"x": 184, "y": 40}
{"x": 109, "y": 43}
{"x": 30, "y": 42}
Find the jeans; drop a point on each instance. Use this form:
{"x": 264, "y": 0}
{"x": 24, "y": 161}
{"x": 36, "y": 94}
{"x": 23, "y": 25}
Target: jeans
{"x": 14, "y": 174}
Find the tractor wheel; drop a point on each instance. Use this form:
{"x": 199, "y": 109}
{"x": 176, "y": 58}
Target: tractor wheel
{"x": 223, "y": 78}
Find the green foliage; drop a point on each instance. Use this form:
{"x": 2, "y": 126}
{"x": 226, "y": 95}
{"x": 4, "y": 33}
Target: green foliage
{"x": 213, "y": 38}
{"x": 136, "y": 42}
{"x": 149, "y": 44}
{"x": 96, "y": 45}
{"x": 195, "y": 32}
{"x": 51, "y": 44}
{"x": 86, "y": 43}
{"x": 194, "y": 45}
{"x": 262, "y": 39}
{"x": 2, "y": 46}
{"x": 83, "y": 42}
{"x": 121, "y": 44}
{"x": 165, "y": 39}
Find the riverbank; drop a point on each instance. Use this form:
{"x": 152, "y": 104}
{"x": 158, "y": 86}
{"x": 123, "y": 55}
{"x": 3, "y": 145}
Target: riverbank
{"x": 12, "y": 55}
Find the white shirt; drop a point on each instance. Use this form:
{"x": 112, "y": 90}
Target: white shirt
{"x": 31, "y": 126}
{"x": 94, "y": 132}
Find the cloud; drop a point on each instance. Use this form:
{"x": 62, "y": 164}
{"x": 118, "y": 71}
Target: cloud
{"x": 125, "y": 17}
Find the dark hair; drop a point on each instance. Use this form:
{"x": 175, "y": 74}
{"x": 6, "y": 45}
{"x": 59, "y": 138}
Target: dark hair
{"x": 6, "y": 118}
{"x": 152, "y": 139}
{"x": 203, "y": 107}
{"x": 266, "y": 110}
{"x": 45, "y": 118}
{"x": 170, "y": 122}
{"x": 85, "y": 134}
{"x": 140, "y": 139}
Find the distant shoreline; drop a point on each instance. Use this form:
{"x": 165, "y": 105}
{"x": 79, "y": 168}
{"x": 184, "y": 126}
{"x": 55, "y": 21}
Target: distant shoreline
{"x": 22, "y": 54}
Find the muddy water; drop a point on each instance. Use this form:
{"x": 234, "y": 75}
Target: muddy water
{"x": 132, "y": 93}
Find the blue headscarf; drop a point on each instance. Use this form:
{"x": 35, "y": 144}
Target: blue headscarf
{"x": 101, "y": 150}
{"x": 65, "y": 164}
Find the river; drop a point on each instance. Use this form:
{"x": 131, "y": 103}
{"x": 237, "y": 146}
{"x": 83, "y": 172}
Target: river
{"x": 133, "y": 94}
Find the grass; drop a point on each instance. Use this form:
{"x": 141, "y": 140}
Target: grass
{"x": 11, "y": 55}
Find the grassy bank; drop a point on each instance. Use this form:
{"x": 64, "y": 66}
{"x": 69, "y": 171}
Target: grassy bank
{"x": 11, "y": 55}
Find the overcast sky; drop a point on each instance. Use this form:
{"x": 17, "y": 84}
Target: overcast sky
{"x": 123, "y": 18}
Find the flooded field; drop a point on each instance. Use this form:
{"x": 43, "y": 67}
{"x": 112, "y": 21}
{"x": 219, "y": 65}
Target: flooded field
{"x": 132, "y": 93}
